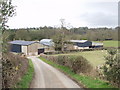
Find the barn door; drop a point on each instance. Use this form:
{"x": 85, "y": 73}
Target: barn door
{"x": 40, "y": 50}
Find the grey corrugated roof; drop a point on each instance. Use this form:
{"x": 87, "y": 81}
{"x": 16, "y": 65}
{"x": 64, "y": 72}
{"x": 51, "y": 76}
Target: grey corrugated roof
{"x": 21, "y": 42}
{"x": 47, "y": 42}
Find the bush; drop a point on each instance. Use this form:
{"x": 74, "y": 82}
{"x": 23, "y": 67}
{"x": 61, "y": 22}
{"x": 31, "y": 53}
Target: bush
{"x": 13, "y": 68}
{"x": 78, "y": 64}
{"x": 52, "y": 58}
{"x": 62, "y": 60}
{"x": 81, "y": 65}
{"x": 112, "y": 51}
{"x": 111, "y": 68}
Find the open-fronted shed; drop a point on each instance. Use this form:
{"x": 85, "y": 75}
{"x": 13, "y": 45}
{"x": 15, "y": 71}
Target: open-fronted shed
{"x": 81, "y": 44}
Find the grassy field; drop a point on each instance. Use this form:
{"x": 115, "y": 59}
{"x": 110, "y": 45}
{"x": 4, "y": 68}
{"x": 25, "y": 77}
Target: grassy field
{"x": 27, "y": 78}
{"x": 94, "y": 57}
{"x": 109, "y": 43}
{"x": 89, "y": 82}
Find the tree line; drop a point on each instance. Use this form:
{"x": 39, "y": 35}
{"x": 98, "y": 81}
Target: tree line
{"x": 83, "y": 33}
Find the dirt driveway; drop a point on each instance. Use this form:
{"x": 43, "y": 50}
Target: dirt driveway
{"x": 47, "y": 76}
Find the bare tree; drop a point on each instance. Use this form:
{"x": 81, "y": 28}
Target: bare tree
{"x": 62, "y": 21}
{"x": 59, "y": 39}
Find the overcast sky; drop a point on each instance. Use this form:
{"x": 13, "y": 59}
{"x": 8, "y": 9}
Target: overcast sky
{"x": 77, "y": 13}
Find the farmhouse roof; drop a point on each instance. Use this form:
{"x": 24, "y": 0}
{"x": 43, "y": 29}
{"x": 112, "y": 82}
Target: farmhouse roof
{"x": 47, "y": 42}
{"x": 80, "y": 41}
{"x": 21, "y": 42}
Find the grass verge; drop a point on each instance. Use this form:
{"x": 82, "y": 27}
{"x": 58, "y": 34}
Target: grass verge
{"x": 27, "y": 78}
{"x": 89, "y": 82}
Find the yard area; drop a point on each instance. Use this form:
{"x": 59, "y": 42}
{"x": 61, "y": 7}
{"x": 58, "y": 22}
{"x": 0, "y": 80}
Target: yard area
{"x": 94, "y": 57}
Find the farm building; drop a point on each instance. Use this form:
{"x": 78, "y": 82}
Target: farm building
{"x": 81, "y": 44}
{"x": 32, "y": 47}
{"x": 96, "y": 45}
{"x": 48, "y": 45}
{"x": 26, "y": 47}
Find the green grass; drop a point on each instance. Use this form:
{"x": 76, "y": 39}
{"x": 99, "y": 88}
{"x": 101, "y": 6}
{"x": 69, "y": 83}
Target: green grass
{"x": 89, "y": 82}
{"x": 94, "y": 57}
{"x": 109, "y": 43}
{"x": 27, "y": 78}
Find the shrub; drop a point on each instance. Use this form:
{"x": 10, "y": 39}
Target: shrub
{"x": 13, "y": 68}
{"x": 112, "y": 51}
{"x": 81, "y": 65}
{"x": 62, "y": 60}
{"x": 52, "y": 58}
{"x": 78, "y": 64}
{"x": 111, "y": 68}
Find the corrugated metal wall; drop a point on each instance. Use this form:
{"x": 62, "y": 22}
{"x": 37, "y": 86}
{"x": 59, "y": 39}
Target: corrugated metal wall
{"x": 16, "y": 48}
{"x": 85, "y": 44}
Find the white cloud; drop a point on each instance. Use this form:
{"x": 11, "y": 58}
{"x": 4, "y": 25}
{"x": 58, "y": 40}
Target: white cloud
{"x": 35, "y": 13}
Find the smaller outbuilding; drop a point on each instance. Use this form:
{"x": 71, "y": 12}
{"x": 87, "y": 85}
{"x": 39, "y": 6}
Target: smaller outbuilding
{"x": 48, "y": 45}
{"x": 96, "y": 45}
